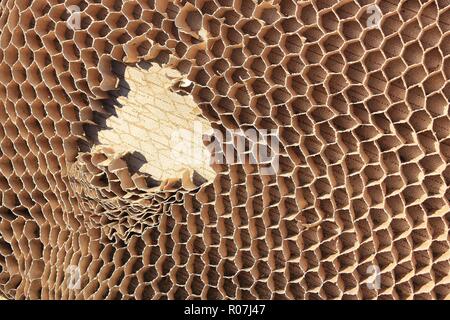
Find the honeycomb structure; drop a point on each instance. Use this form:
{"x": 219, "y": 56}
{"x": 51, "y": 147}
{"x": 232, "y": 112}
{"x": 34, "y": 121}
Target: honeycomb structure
{"x": 362, "y": 115}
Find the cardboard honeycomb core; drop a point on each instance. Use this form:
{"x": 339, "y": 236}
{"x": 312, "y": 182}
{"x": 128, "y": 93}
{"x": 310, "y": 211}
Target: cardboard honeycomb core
{"x": 160, "y": 125}
{"x": 357, "y": 92}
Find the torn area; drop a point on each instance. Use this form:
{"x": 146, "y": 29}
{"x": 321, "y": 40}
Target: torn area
{"x": 116, "y": 201}
{"x": 158, "y": 128}
{"x": 148, "y": 153}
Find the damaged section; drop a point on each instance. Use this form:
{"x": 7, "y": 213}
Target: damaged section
{"x": 149, "y": 152}
{"x": 154, "y": 123}
{"x": 117, "y": 201}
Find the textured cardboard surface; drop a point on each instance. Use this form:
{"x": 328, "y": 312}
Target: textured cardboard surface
{"x": 363, "y": 121}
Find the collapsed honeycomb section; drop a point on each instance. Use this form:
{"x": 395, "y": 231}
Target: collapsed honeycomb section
{"x": 362, "y": 116}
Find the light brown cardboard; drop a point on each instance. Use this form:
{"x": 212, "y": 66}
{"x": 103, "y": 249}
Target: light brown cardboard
{"x": 362, "y": 119}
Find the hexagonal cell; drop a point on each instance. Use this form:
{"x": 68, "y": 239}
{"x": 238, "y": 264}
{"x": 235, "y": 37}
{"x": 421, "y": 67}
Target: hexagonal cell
{"x": 374, "y": 60}
{"x": 272, "y": 55}
{"x": 353, "y": 51}
{"x": 311, "y": 53}
{"x": 288, "y": 25}
{"x": 278, "y": 96}
{"x": 270, "y": 35}
{"x": 18, "y": 38}
{"x": 413, "y": 53}
{"x": 434, "y": 83}
{"x": 372, "y": 39}
{"x": 315, "y": 74}
{"x": 335, "y": 83}
{"x": 396, "y": 90}
{"x": 291, "y": 43}
{"x": 410, "y": 31}
{"x": 346, "y": 9}
{"x": 276, "y": 75}
{"x": 246, "y": 116}
{"x": 293, "y": 64}
{"x": 307, "y": 13}
{"x": 428, "y": 14}
{"x": 96, "y": 11}
{"x": 236, "y": 56}
{"x": 11, "y": 55}
{"x": 409, "y": 10}
{"x": 430, "y": 37}
{"x": 260, "y": 105}
{"x": 351, "y": 30}
{"x": 392, "y": 47}
{"x": 296, "y": 85}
